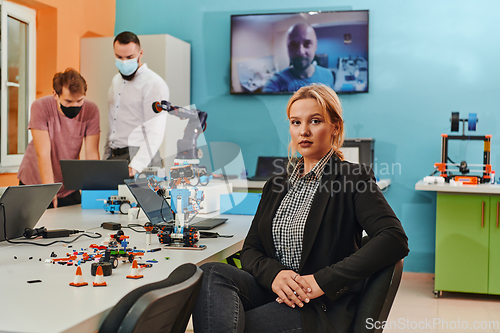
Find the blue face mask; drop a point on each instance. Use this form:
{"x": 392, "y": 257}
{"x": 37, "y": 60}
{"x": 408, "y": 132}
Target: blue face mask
{"x": 127, "y": 67}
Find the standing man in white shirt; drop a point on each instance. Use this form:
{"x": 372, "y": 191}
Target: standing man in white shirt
{"x": 135, "y": 131}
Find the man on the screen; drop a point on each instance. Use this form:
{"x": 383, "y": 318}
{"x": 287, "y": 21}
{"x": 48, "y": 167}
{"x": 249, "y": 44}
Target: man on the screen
{"x": 302, "y": 44}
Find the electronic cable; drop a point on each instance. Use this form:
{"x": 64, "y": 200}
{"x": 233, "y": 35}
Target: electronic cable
{"x": 192, "y": 217}
{"x": 161, "y": 210}
{"x": 212, "y": 234}
{"x": 435, "y": 171}
{"x": 39, "y": 244}
{"x": 201, "y": 183}
{"x": 131, "y": 226}
{"x": 449, "y": 159}
{"x": 224, "y": 236}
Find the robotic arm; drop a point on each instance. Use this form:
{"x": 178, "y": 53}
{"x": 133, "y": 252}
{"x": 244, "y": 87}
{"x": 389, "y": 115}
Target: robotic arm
{"x": 197, "y": 123}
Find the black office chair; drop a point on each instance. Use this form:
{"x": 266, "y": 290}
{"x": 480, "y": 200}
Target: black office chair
{"x": 163, "y": 306}
{"x": 377, "y": 297}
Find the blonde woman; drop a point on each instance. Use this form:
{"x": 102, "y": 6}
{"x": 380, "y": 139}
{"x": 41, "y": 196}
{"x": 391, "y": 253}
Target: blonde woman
{"x": 303, "y": 267}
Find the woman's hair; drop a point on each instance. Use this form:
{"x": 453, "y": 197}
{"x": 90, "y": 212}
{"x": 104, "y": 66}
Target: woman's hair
{"x": 70, "y": 79}
{"x": 332, "y": 112}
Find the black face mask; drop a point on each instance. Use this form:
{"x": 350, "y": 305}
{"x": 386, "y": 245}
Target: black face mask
{"x": 129, "y": 77}
{"x": 70, "y": 111}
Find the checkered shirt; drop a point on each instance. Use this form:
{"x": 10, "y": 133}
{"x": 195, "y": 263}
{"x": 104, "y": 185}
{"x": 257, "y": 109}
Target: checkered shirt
{"x": 291, "y": 216}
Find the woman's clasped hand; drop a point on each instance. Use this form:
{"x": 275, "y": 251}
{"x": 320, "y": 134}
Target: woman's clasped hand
{"x": 294, "y": 289}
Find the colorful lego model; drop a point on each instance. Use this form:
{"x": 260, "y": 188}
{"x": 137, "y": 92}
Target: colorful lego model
{"x": 185, "y": 202}
{"x": 188, "y": 174}
{"x": 172, "y": 235}
{"x": 97, "y": 247}
{"x": 116, "y": 203}
{"x": 181, "y": 174}
{"x": 117, "y": 250}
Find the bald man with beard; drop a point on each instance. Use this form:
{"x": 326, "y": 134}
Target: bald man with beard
{"x": 302, "y": 44}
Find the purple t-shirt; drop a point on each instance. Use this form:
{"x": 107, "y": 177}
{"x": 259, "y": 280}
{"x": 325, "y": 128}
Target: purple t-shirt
{"x": 66, "y": 138}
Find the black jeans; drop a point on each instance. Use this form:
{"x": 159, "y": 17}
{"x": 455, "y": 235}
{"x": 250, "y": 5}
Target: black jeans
{"x": 231, "y": 300}
{"x": 130, "y": 152}
{"x": 73, "y": 199}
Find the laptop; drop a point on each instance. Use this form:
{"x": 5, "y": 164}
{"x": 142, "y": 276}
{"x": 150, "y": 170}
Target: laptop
{"x": 151, "y": 204}
{"x": 268, "y": 167}
{"x": 24, "y": 205}
{"x": 207, "y": 224}
{"x": 359, "y": 150}
{"x": 93, "y": 174}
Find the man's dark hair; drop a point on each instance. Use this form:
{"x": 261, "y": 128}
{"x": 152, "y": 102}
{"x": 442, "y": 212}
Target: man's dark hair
{"x": 70, "y": 79}
{"x": 126, "y": 37}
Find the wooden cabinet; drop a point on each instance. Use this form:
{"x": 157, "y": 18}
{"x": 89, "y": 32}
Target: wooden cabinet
{"x": 467, "y": 243}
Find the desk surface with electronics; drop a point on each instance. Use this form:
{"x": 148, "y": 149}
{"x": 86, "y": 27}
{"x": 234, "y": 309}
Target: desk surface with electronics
{"x": 39, "y": 296}
{"x": 35, "y": 282}
{"x": 53, "y": 306}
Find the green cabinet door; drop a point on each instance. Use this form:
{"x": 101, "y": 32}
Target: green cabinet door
{"x": 462, "y": 241}
{"x": 494, "y": 267}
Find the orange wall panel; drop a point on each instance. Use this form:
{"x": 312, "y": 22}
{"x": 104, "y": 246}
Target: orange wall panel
{"x": 46, "y": 41}
{"x": 8, "y": 179}
{"x": 60, "y": 25}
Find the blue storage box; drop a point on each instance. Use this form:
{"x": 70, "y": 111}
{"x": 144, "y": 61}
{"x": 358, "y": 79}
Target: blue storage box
{"x": 94, "y": 199}
{"x": 239, "y": 203}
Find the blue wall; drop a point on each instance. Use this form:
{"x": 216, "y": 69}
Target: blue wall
{"x": 427, "y": 58}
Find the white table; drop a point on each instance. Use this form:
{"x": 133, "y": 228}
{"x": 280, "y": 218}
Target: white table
{"x": 466, "y": 189}
{"x": 54, "y": 306}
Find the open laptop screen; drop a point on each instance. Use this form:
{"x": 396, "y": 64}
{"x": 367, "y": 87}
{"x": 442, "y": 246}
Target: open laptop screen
{"x": 269, "y": 166}
{"x": 93, "y": 174}
{"x": 24, "y": 205}
{"x": 151, "y": 203}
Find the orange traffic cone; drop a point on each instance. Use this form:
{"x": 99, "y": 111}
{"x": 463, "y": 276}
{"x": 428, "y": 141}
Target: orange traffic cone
{"x": 78, "y": 282}
{"x": 134, "y": 273}
{"x": 99, "y": 278}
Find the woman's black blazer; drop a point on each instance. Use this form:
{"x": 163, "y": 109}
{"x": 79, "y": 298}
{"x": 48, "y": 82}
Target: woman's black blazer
{"x": 347, "y": 202}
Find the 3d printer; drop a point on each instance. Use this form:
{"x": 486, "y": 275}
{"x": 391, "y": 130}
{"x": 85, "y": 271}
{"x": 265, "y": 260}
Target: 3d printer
{"x": 447, "y": 166}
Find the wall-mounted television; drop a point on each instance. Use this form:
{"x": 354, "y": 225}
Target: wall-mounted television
{"x": 279, "y": 53}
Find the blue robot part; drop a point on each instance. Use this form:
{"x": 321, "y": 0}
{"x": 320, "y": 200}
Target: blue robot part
{"x": 183, "y": 193}
{"x": 117, "y": 204}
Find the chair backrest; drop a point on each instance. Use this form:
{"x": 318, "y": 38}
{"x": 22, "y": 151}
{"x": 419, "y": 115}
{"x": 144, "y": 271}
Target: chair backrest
{"x": 163, "y": 306}
{"x": 376, "y": 299}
